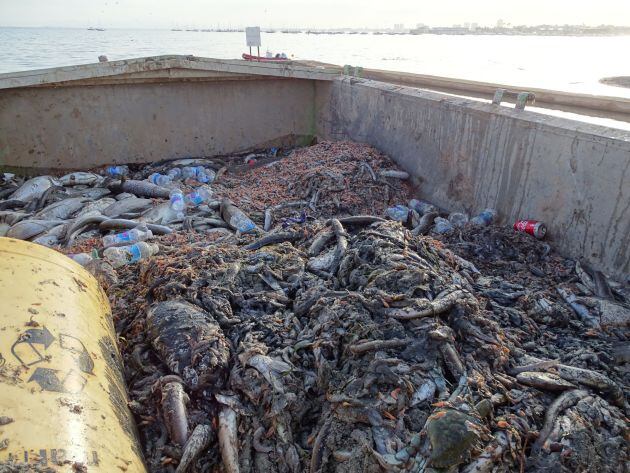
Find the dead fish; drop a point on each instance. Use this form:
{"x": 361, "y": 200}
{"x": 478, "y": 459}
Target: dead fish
{"x": 34, "y": 188}
{"x": 123, "y": 224}
{"x": 11, "y": 218}
{"x": 126, "y": 206}
{"x": 81, "y": 178}
{"x": 79, "y": 224}
{"x": 93, "y": 193}
{"x": 189, "y": 342}
{"x": 161, "y": 214}
{"x": 31, "y": 228}
{"x": 142, "y": 188}
{"x": 47, "y": 240}
{"x": 96, "y": 206}
{"x": 62, "y": 209}
{"x": 228, "y": 439}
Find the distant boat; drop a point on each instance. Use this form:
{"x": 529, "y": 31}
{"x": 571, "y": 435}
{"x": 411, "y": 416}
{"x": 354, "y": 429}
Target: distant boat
{"x": 91, "y": 28}
{"x": 249, "y": 57}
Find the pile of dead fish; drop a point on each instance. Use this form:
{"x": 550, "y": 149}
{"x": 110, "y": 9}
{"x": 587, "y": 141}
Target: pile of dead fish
{"x": 353, "y": 345}
{"x": 287, "y": 325}
{"x": 321, "y": 180}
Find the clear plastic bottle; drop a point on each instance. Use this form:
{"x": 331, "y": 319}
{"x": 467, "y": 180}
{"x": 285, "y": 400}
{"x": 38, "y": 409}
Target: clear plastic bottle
{"x": 140, "y": 233}
{"x": 117, "y": 171}
{"x": 236, "y": 218}
{"x": 198, "y": 197}
{"x": 175, "y": 174}
{"x": 202, "y": 177}
{"x": 160, "y": 179}
{"x": 485, "y": 218}
{"x": 458, "y": 219}
{"x": 189, "y": 172}
{"x": 442, "y": 226}
{"x": 210, "y": 174}
{"x": 422, "y": 206}
{"x": 119, "y": 256}
{"x": 400, "y": 213}
{"x": 177, "y": 200}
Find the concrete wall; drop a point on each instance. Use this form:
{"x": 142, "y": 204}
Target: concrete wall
{"x": 78, "y": 126}
{"x": 467, "y": 156}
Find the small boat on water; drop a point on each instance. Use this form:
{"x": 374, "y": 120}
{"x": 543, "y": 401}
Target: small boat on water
{"x": 250, "y": 57}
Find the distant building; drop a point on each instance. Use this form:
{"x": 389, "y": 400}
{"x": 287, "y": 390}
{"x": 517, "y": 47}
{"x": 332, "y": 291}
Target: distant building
{"x": 399, "y": 27}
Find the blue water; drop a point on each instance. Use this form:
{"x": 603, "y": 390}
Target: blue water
{"x": 562, "y": 63}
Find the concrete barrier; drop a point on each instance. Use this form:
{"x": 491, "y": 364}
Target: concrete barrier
{"x": 466, "y": 156}
{"x": 93, "y": 125}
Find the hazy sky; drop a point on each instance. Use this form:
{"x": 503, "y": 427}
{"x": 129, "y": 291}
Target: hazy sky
{"x": 316, "y": 13}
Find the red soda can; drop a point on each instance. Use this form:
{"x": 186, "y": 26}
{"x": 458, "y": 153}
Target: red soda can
{"x": 533, "y": 227}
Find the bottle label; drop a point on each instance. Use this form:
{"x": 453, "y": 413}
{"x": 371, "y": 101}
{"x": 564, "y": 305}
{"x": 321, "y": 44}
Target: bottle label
{"x": 124, "y": 236}
{"x": 242, "y": 224}
{"x": 134, "y": 251}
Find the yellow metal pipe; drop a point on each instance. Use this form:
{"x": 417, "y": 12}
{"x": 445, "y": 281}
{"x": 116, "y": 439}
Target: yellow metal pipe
{"x": 63, "y": 401}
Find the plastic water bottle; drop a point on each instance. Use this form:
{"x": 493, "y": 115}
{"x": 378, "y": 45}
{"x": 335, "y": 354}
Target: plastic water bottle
{"x": 442, "y": 226}
{"x": 236, "y": 218}
{"x": 160, "y": 179}
{"x": 135, "y": 235}
{"x": 116, "y": 171}
{"x": 189, "y": 172}
{"x": 202, "y": 176}
{"x": 175, "y": 174}
{"x": 242, "y": 223}
{"x": 205, "y": 175}
{"x": 119, "y": 256}
{"x": 400, "y": 213}
{"x": 210, "y": 175}
{"x": 198, "y": 197}
{"x": 485, "y": 218}
{"x": 422, "y": 206}
{"x": 458, "y": 219}
{"x": 177, "y": 200}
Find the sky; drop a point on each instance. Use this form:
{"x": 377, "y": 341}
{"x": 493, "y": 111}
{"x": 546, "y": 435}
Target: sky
{"x": 302, "y": 13}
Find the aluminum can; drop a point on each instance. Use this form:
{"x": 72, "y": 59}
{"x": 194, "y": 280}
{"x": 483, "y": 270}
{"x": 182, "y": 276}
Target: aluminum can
{"x": 533, "y": 227}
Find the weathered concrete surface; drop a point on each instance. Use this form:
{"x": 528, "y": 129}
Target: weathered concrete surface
{"x": 87, "y": 126}
{"x": 468, "y": 156}
{"x": 162, "y": 66}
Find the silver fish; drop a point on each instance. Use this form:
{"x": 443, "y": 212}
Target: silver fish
{"x": 97, "y": 205}
{"x": 62, "y": 209}
{"x": 142, "y": 188}
{"x": 11, "y": 218}
{"x": 93, "y": 193}
{"x": 47, "y": 240}
{"x": 31, "y": 228}
{"x": 81, "y": 178}
{"x": 34, "y": 188}
{"x": 53, "y": 236}
{"x": 130, "y": 205}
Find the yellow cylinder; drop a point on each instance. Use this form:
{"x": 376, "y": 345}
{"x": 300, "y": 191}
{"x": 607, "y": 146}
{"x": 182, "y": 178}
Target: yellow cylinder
{"x": 63, "y": 401}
